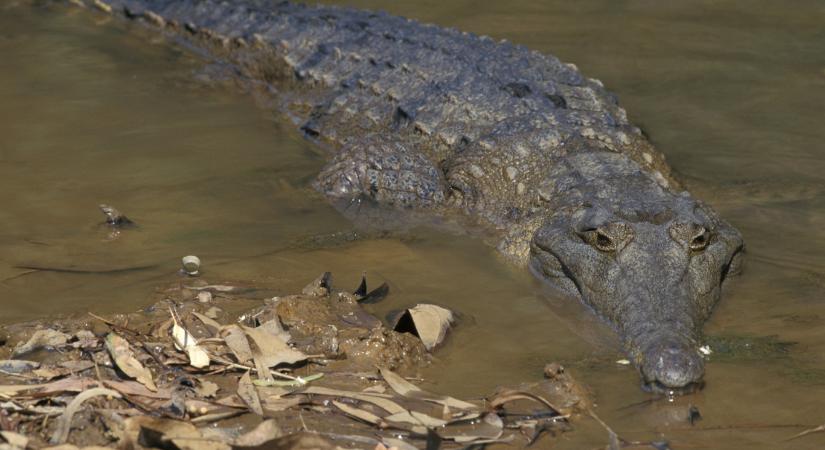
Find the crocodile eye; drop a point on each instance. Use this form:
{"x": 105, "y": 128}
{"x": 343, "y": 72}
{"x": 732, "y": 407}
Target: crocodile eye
{"x": 700, "y": 240}
{"x": 599, "y": 239}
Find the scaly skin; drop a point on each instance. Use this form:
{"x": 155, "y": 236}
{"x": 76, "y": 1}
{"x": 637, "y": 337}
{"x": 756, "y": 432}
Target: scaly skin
{"x": 426, "y": 118}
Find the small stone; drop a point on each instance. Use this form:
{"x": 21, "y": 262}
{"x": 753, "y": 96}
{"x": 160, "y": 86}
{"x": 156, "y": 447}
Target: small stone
{"x": 476, "y": 171}
{"x": 520, "y": 188}
{"x": 204, "y": 296}
{"x": 511, "y": 173}
{"x": 647, "y": 157}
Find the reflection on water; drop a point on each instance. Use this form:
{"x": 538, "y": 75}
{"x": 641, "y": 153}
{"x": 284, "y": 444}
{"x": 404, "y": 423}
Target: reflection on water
{"x": 94, "y": 111}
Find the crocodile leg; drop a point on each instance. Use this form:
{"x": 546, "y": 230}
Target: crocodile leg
{"x": 388, "y": 174}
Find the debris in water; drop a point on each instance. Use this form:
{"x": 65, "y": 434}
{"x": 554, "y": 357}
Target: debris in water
{"x": 429, "y": 322}
{"x": 114, "y": 217}
{"x": 191, "y": 265}
{"x": 309, "y": 364}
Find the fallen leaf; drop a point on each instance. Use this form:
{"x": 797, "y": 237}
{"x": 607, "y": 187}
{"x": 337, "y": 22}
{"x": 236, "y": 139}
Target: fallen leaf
{"x": 299, "y": 381}
{"x": 398, "y": 444}
{"x": 125, "y": 359}
{"x": 247, "y": 393}
{"x": 298, "y": 441}
{"x": 42, "y": 339}
{"x": 263, "y": 433}
{"x": 206, "y": 389}
{"x": 134, "y": 388}
{"x": 236, "y": 341}
{"x": 160, "y": 433}
{"x": 409, "y": 390}
{"x": 274, "y": 329}
{"x": 210, "y": 324}
{"x": 273, "y": 350}
{"x": 381, "y": 402}
{"x": 429, "y": 322}
{"x": 416, "y": 418}
{"x": 18, "y": 365}
{"x": 489, "y": 428}
{"x": 358, "y": 413}
{"x": 184, "y": 340}
{"x": 15, "y": 440}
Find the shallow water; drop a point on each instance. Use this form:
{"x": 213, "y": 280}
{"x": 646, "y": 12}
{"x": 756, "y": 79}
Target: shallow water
{"x": 93, "y": 110}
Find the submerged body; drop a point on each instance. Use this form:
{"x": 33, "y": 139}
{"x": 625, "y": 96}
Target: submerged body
{"x": 434, "y": 119}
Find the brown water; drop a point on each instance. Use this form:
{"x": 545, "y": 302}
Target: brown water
{"x": 98, "y": 111}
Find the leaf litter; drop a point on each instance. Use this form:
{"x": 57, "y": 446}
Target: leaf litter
{"x": 311, "y": 370}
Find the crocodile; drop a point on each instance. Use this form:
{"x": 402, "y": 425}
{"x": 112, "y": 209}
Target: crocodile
{"x": 434, "y": 120}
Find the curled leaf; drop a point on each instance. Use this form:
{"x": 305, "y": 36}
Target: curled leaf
{"x": 184, "y": 341}
{"x": 429, "y": 322}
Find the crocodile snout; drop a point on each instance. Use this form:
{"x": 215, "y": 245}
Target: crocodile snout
{"x": 670, "y": 365}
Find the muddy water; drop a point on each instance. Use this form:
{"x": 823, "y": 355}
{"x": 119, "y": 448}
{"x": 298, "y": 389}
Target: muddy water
{"x": 94, "y": 111}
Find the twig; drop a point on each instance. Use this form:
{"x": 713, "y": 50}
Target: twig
{"x": 217, "y": 416}
{"x": 807, "y": 432}
{"x": 114, "y": 325}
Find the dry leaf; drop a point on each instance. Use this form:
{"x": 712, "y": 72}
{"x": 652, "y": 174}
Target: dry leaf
{"x": 184, "y": 340}
{"x": 206, "y": 389}
{"x": 409, "y": 390}
{"x": 263, "y": 433}
{"x": 416, "y": 418}
{"x": 429, "y": 322}
{"x": 210, "y": 324}
{"x": 125, "y": 359}
{"x": 490, "y": 428}
{"x": 41, "y": 339}
{"x": 15, "y": 440}
{"x": 273, "y": 350}
{"x": 160, "y": 433}
{"x": 381, "y": 402}
{"x": 247, "y": 392}
{"x": 359, "y": 413}
{"x": 18, "y": 365}
{"x": 236, "y": 341}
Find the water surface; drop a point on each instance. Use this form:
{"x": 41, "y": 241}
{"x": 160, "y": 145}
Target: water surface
{"x": 94, "y": 110}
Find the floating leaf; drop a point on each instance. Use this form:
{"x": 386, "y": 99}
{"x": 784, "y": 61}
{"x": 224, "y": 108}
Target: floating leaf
{"x": 490, "y": 428}
{"x": 429, "y": 322}
{"x": 416, "y": 418}
{"x": 299, "y": 381}
{"x": 381, "y": 402}
{"x": 125, "y": 359}
{"x": 359, "y": 413}
{"x": 409, "y": 390}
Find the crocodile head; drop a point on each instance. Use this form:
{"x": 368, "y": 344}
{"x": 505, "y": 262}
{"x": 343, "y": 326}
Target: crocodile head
{"x": 652, "y": 263}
